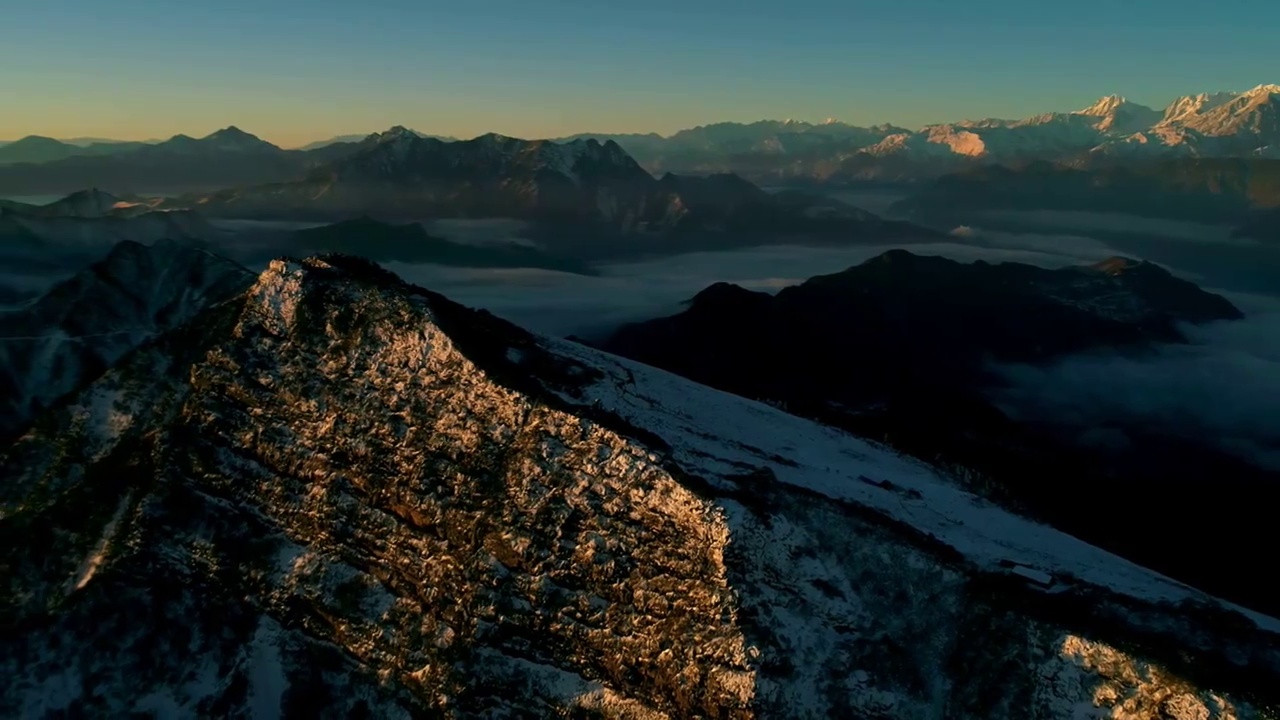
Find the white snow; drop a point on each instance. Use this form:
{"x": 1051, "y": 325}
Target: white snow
{"x": 267, "y": 681}
{"x": 563, "y": 158}
{"x": 716, "y": 433}
{"x": 95, "y": 559}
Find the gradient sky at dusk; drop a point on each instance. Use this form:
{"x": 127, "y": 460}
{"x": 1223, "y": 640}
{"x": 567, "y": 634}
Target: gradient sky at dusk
{"x": 292, "y": 71}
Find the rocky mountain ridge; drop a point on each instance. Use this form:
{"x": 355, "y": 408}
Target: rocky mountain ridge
{"x": 343, "y": 495}
{"x": 1235, "y": 124}
{"x": 587, "y": 198}
{"x": 1111, "y": 130}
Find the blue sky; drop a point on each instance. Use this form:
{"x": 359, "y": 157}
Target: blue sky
{"x": 292, "y": 71}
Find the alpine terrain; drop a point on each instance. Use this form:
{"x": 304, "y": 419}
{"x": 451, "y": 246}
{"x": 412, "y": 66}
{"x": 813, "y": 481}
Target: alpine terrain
{"x": 83, "y": 325}
{"x": 915, "y": 351}
{"x": 338, "y": 495}
{"x": 584, "y": 197}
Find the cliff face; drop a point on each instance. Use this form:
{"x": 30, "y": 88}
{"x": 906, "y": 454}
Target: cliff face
{"x": 342, "y": 496}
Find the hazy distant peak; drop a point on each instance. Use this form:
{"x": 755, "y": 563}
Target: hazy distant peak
{"x": 233, "y": 138}
{"x": 395, "y": 133}
{"x": 492, "y": 138}
{"x": 230, "y": 131}
{"x": 31, "y": 139}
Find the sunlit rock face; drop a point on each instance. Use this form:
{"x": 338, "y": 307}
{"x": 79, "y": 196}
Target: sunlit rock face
{"x": 340, "y": 496}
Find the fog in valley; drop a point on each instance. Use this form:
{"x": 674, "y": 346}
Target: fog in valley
{"x": 1225, "y": 385}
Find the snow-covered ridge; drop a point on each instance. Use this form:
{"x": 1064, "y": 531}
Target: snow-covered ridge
{"x": 480, "y": 518}
{"x": 838, "y": 465}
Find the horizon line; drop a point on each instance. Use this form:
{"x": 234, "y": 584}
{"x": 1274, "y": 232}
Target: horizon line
{"x": 93, "y": 138}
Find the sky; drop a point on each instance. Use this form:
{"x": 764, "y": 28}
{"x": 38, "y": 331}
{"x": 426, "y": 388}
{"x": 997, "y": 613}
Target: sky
{"x": 293, "y": 71}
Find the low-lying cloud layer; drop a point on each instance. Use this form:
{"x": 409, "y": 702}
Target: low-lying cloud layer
{"x": 1223, "y": 388}
{"x": 563, "y": 304}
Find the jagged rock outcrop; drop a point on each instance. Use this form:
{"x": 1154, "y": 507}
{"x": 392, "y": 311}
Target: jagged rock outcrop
{"x": 339, "y": 495}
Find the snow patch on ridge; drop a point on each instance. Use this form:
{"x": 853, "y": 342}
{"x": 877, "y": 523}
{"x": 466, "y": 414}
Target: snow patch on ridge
{"x": 822, "y": 459}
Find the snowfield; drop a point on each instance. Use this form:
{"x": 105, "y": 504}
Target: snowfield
{"x": 719, "y": 433}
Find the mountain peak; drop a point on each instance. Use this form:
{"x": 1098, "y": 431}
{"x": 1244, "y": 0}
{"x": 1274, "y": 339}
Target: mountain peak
{"x": 36, "y": 140}
{"x": 1119, "y": 265}
{"x": 1267, "y": 89}
{"x": 233, "y": 138}
{"x": 231, "y": 131}
{"x": 492, "y": 138}
{"x": 1105, "y": 105}
{"x": 392, "y": 134}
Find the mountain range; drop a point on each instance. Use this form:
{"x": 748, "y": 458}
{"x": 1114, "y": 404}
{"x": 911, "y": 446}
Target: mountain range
{"x": 1112, "y": 130}
{"x": 39, "y": 149}
{"x": 1243, "y": 124}
{"x": 581, "y": 196}
{"x": 82, "y": 226}
{"x": 337, "y": 493}
{"x": 224, "y": 158}
{"x": 1242, "y": 192}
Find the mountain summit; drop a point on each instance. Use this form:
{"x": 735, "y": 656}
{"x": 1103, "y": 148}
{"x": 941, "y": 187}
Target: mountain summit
{"x": 341, "y": 494}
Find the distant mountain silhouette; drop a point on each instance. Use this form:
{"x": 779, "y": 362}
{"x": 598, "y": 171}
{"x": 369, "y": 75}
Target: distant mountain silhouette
{"x": 410, "y": 243}
{"x": 224, "y": 158}
{"x": 900, "y": 348}
{"x": 1199, "y": 190}
{"x": 37, "y": 149}
{"x": 579, "y": 193}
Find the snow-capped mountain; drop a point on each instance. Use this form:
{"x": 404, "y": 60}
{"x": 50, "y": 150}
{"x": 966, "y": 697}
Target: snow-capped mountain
{"x": 1251, "y": 118}
{"x": 1192, "y": 105}
{"x": 1111, "y": 127}
{"x": 1120, "y": 116}
{"x": 344, "y": 495}
{"x": 1241, "y": 124}
{"x": 83, "y": 325}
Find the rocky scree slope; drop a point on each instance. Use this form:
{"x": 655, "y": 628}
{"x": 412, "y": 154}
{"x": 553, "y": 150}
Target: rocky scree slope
{"x": 341, "y": 496}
